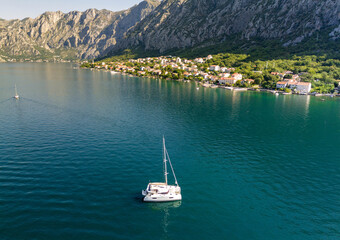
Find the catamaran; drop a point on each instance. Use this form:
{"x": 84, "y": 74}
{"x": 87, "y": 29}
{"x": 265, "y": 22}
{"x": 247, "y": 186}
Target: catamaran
{"x": 16, "y": 96}
{"x": 161, "y": 191}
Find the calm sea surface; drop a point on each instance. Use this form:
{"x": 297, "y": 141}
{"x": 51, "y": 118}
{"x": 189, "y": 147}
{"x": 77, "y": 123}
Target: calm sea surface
{"x": 79, "y": 146}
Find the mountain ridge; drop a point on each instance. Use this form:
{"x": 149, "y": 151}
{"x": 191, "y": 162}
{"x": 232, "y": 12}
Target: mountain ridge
{"x": 159, "y": 27}
{"x": 177, "y": 24}
{"x": 75, "y": 34}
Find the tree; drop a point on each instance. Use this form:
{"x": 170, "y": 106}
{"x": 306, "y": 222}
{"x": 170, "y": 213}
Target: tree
{"x": 238, "y": 83}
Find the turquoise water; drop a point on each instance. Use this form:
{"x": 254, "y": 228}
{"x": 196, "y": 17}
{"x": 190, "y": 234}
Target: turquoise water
{"x": 79, "y": 146}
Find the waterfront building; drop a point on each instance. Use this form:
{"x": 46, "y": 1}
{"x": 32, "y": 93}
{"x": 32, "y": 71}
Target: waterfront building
{"x": 227, "y": 80}
{"x": 282, "y": 84}
{"x": 302, "y": 87}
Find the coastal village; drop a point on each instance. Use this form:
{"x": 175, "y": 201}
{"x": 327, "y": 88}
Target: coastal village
{"x": 213, "y": 76}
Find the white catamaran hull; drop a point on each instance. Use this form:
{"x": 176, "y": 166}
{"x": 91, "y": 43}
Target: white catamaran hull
{"x": 160, "y": 198}
{"x": 161, "y": 192}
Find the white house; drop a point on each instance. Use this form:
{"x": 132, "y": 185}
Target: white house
{"x": 224, "y": 69}
{"x": 303, "y": 87}
{"x": 237, "y": 76}
{"x": 214, "y": 68}
{"x": 199, "y": 60}
{"x": 227, "y": 80}
{"x": 282, "y": 84}
{"x": 225, "y": 75}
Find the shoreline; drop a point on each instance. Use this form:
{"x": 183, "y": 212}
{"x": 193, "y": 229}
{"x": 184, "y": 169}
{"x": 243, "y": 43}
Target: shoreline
{"x": 273, "y": 91}
{"x": 205, "y": 85}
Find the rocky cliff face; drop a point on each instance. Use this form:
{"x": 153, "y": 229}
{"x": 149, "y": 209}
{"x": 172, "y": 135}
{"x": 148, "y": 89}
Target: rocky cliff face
{"x": 165, "y": 25}
{"x": 79, "y": 34}
{"x": 185, "y": 23}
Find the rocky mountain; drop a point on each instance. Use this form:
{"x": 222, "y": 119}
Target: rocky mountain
{"x": 186, "y": 23}
{"x": 160, "y": 26}
{"x": 75, "y": 34}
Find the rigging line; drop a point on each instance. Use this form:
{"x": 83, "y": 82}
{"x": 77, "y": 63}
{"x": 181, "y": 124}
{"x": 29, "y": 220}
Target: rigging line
{"x": 172, "y": 169}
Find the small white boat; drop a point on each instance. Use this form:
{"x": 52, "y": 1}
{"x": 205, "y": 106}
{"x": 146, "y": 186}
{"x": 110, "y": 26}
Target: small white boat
{"x": 161, "y": 191}
{"x": 16, "y": 96}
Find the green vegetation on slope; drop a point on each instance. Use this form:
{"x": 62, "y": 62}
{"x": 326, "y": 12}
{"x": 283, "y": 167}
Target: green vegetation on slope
{"x": 317, "y": 58}
{"x": 321, "y": 71}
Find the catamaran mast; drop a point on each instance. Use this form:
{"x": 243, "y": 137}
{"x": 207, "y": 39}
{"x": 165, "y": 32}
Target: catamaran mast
{"x": 164, "y": 163}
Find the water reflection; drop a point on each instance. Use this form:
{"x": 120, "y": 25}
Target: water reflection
{"x": 307, "y": 105}
{"x": 164, "y": 208}
{"x": 235, "y": 104}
